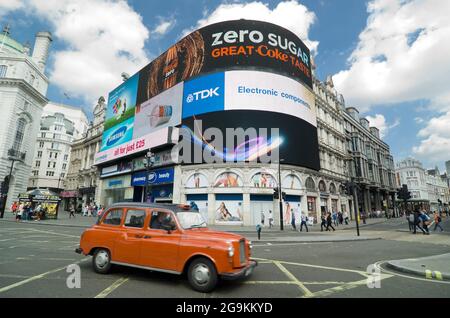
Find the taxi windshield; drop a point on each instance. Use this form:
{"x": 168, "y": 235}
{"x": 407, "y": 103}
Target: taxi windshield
{"x": 189, "y": 220}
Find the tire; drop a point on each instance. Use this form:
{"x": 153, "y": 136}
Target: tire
{"x": 101, "y": 261}
{"x": 202, "y": 275}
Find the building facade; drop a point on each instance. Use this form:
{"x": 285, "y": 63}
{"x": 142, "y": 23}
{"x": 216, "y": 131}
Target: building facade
{"x": 23, "y": 87}
{"x": 60, "y": 126}
{"x": 429, "y": 189}
{"x": 371, "y": 166}
{"x": 82, "y": 178}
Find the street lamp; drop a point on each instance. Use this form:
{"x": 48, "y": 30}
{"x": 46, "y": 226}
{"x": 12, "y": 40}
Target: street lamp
{"x": 280, "y": 194}
{"x": 351, "y": 189}
{"x": 148, "y": 163}
{"x": 13, "y": 155}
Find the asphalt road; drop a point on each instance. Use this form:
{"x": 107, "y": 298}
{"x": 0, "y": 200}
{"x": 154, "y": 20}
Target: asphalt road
{"x": 34, "y": 259}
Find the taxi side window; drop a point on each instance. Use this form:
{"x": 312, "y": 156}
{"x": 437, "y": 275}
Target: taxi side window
{"x": 160, "y": 220}
{"x": 135, "y": 218}
{"x": 113, "y": 217}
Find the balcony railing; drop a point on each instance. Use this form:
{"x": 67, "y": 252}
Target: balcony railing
{"x": 14, "y": 154}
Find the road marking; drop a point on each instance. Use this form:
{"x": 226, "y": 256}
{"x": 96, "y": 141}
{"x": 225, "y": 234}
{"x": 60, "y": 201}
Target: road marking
{"x": 428, "y": 274}
{"x": 56, "y": 233}
{"x": 113, "y": 287}
{"x": 306, "y": 291}
{"x": 10, "y": 239}
{"x": 378, "y": 266}
{"x": 33, "y": 278}
{"x": 253, "y": 282}
{"x": 332, "y": 290}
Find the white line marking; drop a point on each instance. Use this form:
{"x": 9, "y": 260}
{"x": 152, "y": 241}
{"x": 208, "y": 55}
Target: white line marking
{"x": 33, "y": 278}
{"x": 113, "y": 287}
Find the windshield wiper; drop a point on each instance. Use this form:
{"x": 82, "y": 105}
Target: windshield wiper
{"x": 196, "y": 225}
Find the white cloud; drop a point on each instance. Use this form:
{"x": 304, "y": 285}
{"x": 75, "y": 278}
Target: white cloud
{"x": 403, "y": 54}
{"x": 103, "y": 38}
{"x": 379, "y": 121}
{"x": 288, "y": 14}
{"x": 9, "y": 5}
{"x": 163, "y": 27}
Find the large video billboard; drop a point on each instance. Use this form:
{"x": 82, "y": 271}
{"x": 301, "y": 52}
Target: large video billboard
{"x": 238, "y": 44}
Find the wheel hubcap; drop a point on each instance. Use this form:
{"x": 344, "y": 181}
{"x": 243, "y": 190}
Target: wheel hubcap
{"x": 201, "y": 274}
{"x": 102, "y": 259}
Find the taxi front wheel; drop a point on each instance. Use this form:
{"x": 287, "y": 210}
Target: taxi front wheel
{"x": 202, "y": 275}
{"x": 101, "y": 261}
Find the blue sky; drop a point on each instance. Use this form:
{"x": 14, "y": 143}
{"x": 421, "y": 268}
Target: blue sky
{"x": 389, "y": 58}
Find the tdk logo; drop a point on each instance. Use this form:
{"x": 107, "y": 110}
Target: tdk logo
{"x": 204, "y": 94}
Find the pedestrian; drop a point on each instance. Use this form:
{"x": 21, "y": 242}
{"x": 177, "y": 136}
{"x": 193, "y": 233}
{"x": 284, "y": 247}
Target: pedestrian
{"x": 340, "y": 218}
{"x": 85, "y": 210}
{"x": 258, "y": 230}
{"x": 425, "y": 222}
{"x": 410, "y": 218}
{"x": 293, "y": 221}
{"x": 417, "y": 222}
{"x": 71, "y": 211}
{"x": 345, "y": 217}
{"x": 303, "y": 219}
{"x": 263, "y": 217}
{"x": 329, "y": 222}
{"x": 90, "y": 210}
{"x": 323, "y": 223}
{"x": 334, "y": 216}
{"x": 437, "y": 221}
{"x": 363, "y": 217}
{"x": 270, "y": 219}
{"x": 19, "y": 212}
{"x": 14, "y": 207}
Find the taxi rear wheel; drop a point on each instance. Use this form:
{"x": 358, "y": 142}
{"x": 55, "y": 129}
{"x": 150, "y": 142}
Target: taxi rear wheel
{"x": 202, "y": 275}
{"x": 101, "y": 261}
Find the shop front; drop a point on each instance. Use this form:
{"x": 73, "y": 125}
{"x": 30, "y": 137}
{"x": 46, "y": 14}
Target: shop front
{"x": 160, "y": 183}
{"x": 201, "y": 201}
{"x": 312, "y": 209}
{"x": 46, "y": 199}
{"x": 229, "y": 209}
{"x": 117, "y": 189}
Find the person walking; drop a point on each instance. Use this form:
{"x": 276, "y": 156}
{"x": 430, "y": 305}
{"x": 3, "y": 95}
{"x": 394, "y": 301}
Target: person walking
{"x": 270, "y": 219}
{"x": 346, "y": 217}
{"x": 303, "y": 219}
{"x": 85, "y": 210}
{"x": 293, "y": 221}
{"x": 263, "y": 218}
{"x": 340, "y": 218}
{"x": 329, "y": 222}
{"x": 437, "y": 222}
{"x": 71, "y": 211}
{"x": 334, "y": 216}
{"x": 425, "y": 222}
{"x": 323, "y": 223}
{"x": 417, "y": 222}
{"x": 410, "y": 218}
{"x": 19, "y": 212}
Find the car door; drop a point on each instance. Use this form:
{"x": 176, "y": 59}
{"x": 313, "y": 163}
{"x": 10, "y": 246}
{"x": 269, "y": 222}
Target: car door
{"x": 160, "y": 248}
{"x": 128, "y": 244}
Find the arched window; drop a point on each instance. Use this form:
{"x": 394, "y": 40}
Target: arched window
{"x": 310, "y": 185}
{"x": 332, "y": 188}
{"x": 20, "y": 131}
{"x": 322, "y": 186}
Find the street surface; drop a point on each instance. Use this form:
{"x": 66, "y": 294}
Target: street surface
{"x": 34, "y": 258}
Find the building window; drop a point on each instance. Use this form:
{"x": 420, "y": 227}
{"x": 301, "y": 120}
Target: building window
{"x": 39, "y": 154}
{"x": 50, "y": 173}
{"x": 32, "y": 78}
{"x": 310, "y": 185}
{"x": 56, "y": 155}
{"x": 38, "y": 163}
{"x": 41, "y": 144}
{"x": 64, "y": 166}
{"x": 21, "y": 123}
{"x": 63, "y": 175}
{"x": 66, "y": 157}
{"x": 54, "y": 165}
{"x": 48, "y": 164}
{"x": 3, "y": 69}
{"x": 35, "y": 172}
{"x": 43, "y": 135}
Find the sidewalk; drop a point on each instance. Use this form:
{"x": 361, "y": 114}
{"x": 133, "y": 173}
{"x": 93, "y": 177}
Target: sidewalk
{"x": 432, "y": 267}
{"x": 86, "y": 221}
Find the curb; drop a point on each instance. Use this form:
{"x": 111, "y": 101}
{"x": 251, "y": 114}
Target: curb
{"x": 317, "y": 241}
{"x": 422, "y": 274}
{"x": 51, "y": 224}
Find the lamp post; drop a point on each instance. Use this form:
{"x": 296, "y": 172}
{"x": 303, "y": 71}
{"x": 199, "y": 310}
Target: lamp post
{"x": 280, "y": 194}
{"x": 148, "y": 162}
{"x": 6, "y": 189}
{"x": 352, "y": 188}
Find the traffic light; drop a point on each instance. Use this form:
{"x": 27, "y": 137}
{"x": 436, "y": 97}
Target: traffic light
{"x": 403, "y": 193}
{"x": 283, "y": 195}
{"x": 276, "y": 195}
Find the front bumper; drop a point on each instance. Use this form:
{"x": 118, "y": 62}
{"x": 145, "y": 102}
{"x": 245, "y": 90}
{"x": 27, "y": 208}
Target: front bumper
{"x": 242, "y": 273}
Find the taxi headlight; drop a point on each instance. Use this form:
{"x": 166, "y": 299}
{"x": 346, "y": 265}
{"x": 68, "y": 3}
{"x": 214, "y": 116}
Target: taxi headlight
{"x": 250, "y": 244}
{"x": 231, "y": 251}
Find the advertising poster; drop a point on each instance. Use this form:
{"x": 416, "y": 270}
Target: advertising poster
{"x": 239, "y": 44}
{"x": 263, "y": 180}
{"x": 229, "y": 211}
{"x": 291, "y": 208}
{"x": 158, "y": 112}
{"x": 228, "y": 180}
{"x": 252, "y": 90}
{"x": 291, "y": 182}
{"x": 118, "y": 134}
{"x": 121, "y": 103}
{"x": 294, "y": 139}
{"x": 197, "y": 180}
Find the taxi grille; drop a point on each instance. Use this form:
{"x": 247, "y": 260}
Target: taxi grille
{"x": 242, "y": 257}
